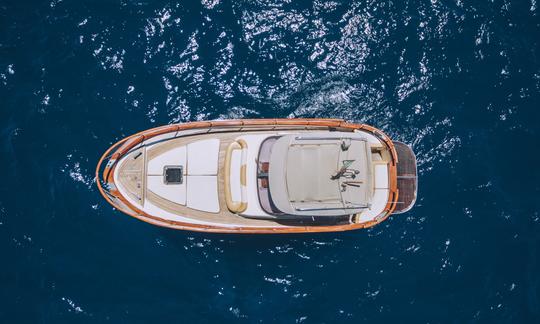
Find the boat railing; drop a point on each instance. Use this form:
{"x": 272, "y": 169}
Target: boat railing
{"x": 332, "y": 208}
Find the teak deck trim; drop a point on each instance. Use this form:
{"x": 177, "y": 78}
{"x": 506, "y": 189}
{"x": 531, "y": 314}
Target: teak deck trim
{"x": 125, "y": 145}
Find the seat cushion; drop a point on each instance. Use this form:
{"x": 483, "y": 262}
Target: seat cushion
{"x": 381, "y": 176}
{"x": 174, "y": 157}
{"x": 202, "y": 193}
{"x": 202, "y": 157}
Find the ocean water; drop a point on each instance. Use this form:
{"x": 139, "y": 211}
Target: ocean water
{"x": 459, "y": 80}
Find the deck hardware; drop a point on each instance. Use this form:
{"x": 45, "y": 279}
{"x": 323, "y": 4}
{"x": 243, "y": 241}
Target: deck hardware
{"x": 173, "y": 174}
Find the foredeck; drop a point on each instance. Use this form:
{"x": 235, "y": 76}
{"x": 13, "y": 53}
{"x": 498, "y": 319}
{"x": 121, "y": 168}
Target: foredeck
{"x": 131, "y": 178}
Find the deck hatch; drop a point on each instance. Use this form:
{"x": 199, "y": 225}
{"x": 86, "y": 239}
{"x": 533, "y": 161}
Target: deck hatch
{"x": 173, "y": 174}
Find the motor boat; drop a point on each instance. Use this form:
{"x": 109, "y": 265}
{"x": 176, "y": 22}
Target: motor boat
{"x": 260, "y": 176}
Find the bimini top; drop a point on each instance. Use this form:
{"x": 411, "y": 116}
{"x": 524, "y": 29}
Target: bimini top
{"x": 320, "y": 174}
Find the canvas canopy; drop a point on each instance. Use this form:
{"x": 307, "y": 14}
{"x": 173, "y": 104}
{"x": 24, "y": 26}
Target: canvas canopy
{"x": 320, "y": 174}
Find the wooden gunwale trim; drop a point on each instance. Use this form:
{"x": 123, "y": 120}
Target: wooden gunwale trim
{"x": 129, "y": 142}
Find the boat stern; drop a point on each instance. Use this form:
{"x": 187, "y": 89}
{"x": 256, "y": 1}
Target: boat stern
{"x": 407, "y": 178}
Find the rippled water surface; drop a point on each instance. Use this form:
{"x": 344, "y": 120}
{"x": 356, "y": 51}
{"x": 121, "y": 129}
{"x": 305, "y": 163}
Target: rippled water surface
{"x": 459, "y": 80}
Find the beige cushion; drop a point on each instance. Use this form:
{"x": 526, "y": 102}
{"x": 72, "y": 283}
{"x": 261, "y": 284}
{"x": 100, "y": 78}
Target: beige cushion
{"x": 309, "y": 169}
{"x": 202, "y": 193}
{"x": 202, "y": 157}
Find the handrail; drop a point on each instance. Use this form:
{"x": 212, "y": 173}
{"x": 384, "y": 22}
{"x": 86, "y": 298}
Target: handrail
{"x": 333, "y": 208}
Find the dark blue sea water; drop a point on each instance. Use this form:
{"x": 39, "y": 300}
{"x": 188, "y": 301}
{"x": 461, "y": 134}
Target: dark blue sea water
{"x": 459, "y": 80}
